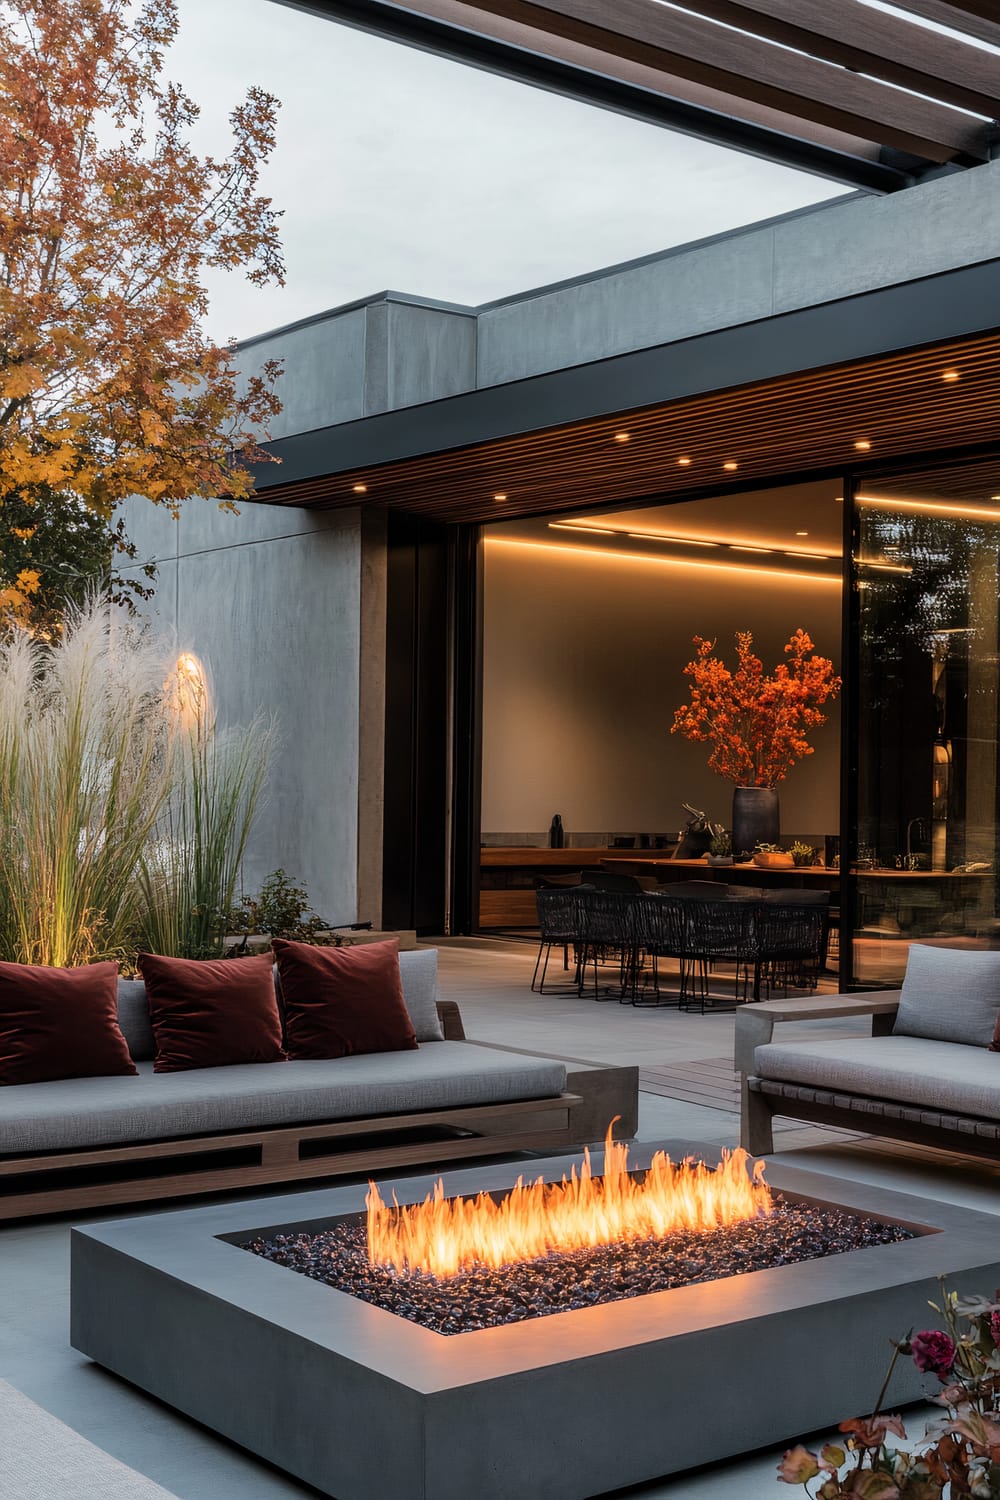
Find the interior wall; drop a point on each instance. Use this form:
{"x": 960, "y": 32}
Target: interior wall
{"x": 583, "y": 668}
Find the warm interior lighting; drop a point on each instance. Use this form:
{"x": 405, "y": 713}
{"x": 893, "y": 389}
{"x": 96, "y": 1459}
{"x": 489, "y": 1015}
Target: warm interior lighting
{"x": 745, "y": 570}
{"x": 444, "y": 1236}
{"x": 862, "y": 445}
{"x": 950, "y": 376}
{"x": 883, "y": 567}
{"x": 730, "y": 466}
{"x": 576, "y": 526}
{"x": 500, "y": 495}
{"x": 622, "y": 437}
{"x": 659, "y": 536}
{"x": 683, "y": 462}
{"x": 930, "y": 507}
{"x": 744, "y": 547}
{"x": 360, "y": 489}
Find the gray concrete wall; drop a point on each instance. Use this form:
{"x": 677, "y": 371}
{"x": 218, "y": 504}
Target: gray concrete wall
{"x": 270, "y": 601}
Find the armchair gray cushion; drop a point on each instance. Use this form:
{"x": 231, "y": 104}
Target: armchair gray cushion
{"x": 950, "y": 995}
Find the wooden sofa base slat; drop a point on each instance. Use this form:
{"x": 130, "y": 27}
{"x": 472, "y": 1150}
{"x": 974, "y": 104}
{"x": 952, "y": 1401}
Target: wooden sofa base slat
{"x": 58, "y": 1182}
{"x": 767, "y": 1098}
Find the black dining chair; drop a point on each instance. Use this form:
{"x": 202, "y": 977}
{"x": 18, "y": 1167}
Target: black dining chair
{"x": 559, "y": 925}
{"x": 661, "y": 933}
{"x": 609, "y": 935}
{"x": 717, "y": 932}
{"x": 791, "y": 941}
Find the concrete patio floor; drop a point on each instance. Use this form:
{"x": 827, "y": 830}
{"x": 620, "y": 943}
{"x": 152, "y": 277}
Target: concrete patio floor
{"x": 490, "y": 979}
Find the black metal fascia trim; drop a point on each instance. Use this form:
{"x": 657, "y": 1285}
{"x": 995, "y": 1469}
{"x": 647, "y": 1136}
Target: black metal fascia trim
{"x": 953, "y": 304}
{"x": 396, "y": 23}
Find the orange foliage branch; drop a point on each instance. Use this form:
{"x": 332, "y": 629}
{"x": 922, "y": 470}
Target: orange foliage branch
{"x": 108, "y": 222}
{"x": 757, "y": 726}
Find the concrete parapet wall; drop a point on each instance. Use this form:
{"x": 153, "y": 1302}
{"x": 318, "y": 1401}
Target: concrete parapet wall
{"x": 847, "y": 247}
{"x": 394, "y": 351}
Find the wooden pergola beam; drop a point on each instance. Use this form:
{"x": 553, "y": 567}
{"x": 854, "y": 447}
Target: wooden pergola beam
{"x": 985, "y": 28}
{"x": 527, "y": 38}
{"x": 871, "y": 41}
{"x": 469, "y": 35}
{"x": 749, "y": 68}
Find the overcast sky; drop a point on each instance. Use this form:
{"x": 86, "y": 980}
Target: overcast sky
{"x": 396, "y": 169}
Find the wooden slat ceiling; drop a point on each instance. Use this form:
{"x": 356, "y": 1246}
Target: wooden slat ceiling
{"x": 883, "y": 79}
{"x": 811, "y": 422}
{"x": 976, "y": 482}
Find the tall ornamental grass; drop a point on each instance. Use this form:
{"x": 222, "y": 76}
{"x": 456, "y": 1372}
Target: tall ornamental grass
{"x": 102, "y": 780}
{"x": 189, "y": 871}
{"x": 86, "y": 761}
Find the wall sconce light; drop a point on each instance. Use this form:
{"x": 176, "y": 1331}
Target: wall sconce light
{"x": 188, "y": 689}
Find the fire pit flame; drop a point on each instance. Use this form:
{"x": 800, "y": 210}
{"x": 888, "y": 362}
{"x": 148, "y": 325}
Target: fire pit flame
{"x": 444, "y": 1236}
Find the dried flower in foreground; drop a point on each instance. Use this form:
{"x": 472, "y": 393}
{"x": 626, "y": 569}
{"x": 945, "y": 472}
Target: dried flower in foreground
{"x": 960, "y": 1456}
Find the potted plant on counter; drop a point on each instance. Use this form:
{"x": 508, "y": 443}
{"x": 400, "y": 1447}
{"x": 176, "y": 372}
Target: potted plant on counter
{"x": 720, "y": 850}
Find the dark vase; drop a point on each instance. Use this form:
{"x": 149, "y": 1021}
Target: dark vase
{"x": 756, "y": 817}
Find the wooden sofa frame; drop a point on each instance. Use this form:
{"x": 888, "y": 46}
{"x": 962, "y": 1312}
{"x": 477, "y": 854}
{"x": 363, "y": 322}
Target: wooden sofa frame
{"x": 99, "y": 1177}
{"x": 761, "y": 1099}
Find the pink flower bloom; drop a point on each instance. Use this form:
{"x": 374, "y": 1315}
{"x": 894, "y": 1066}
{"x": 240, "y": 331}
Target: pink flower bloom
{"x": 933, "y": 1351}
{"x": 995, "y": 1327}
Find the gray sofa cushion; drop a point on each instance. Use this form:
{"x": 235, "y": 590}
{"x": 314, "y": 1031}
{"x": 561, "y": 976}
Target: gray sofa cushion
{"x": 133, "y": 1018}
{"x": 418, "y": 969}
{"x": 908, "y": 1069}
{"x": 80, "y": 1112}
{"x": 950, "y": 995}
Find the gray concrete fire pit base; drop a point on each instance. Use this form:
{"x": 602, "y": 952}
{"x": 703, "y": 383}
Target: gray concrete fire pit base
{"x": 365, "y": 1405}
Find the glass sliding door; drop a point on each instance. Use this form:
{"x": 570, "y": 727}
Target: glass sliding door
{"x": 926, "y": 582}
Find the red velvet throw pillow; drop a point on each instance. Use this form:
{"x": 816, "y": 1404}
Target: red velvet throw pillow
{"x": 60, "y": 1023}
{"x": 210, "y": 1012}
{"x": 341, "y": 1001}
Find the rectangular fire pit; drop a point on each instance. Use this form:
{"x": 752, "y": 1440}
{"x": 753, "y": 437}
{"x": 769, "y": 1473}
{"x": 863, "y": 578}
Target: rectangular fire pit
{"x": 364, "y": 1404}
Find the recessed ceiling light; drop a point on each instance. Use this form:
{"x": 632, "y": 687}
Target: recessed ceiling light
{"x": 802, "y": 533}
{"x": 730, "y": 466}
{"x": 500, "y": 495}
{"x": 622, "y": 437}
{"x": 995, "y": 497}
{"x": 862, "y": 445}
{"x": 683, "y": 462}
{"x": 360, "y": 489}
{"x": 950, "y": 376}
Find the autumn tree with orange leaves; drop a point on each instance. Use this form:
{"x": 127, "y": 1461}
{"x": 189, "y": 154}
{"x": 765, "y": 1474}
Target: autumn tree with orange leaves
{"x": 756, "y": 724}
{"x": 108, "y": 222}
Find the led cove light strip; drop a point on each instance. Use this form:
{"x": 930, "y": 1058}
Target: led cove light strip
{"x": 688, "y": 541}
{"x": 744, "y": 569}
{"x": 929, "y": 508}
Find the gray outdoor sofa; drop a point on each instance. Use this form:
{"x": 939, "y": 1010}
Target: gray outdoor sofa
{"x": 83, "y": 1142}
{"x": 925, "y": 1074}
